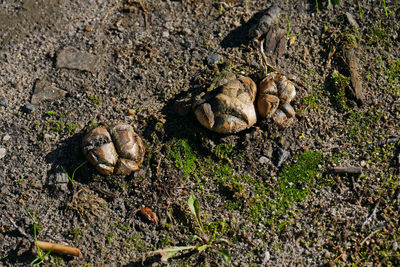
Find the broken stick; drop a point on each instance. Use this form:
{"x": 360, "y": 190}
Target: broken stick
{"x": 349, "y": 169}
{"x": 357, "y": 88}
{"x": 57, "y": 248}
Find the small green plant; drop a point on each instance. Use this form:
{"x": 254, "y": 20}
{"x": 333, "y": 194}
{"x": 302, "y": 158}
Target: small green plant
{"x": 289, "y": 29}
{"x": 56, "y": 126}
{"x": 387, "y": 13}
{"x": 77, "y": 232}
{"x": 109, "y": 237}
{"x": 36, "y": 228}
{"x": 220, "y": 9}
{"x": 95, "y": 100}
{"x": 361, "y": 11}
{"x": 205, "y": 241}
{"x": 51, "y": 113}
{"x": 71, "y": 178}
{"x": 71, "y": 127}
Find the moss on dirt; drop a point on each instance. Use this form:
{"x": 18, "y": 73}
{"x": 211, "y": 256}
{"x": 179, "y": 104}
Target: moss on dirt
{"x": 361, "y": 125}
{"x": 338, "y": 85}
{"x": 249, "y": 195}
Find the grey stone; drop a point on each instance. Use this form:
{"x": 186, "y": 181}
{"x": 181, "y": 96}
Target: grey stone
{"x": 44, "y": 91}
{"x": 263, "y": 160}
{"x": 60, "y": 180}
{"x": 72, "y": 58}
{"x": 29, "y": 108}
{"x": 214, "y": 59}
{"x": 6, "y": 138}
{"x": 4, "y": 102}
{"x": 165, "y": 34}
{"x": 351, "y": 20}
{"x": 395, "y": 246}
{"x": 3, "y": 152}
{"x": 187, "y": 44}
{"x": 281, "y": 156}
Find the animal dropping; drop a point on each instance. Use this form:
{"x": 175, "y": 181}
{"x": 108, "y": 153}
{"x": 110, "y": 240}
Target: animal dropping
{"x": 114, "y": 149}
{"x": 229, "y": 108}
{"x": 274, "y": 97}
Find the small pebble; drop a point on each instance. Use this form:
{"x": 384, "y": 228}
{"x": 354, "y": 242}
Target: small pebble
{"x": 351, "y": 20}
{"x": 3, "y": 152}
{"x": 214, "y": 59}
{"x": 281, "y": 156}
{"x": 29, "y": 108}
{"x": 165, "y": 34}
{"x": 44, "y": 91}
{"x": 317, "y": 31}
{"x": 395, "y": 246}
{"x": 4, "y": 102}
{"x": 263, "y": 160}
{"x": 47, "y": 137}
{"x": 187, "y": 31}
{"x": 72, "y": 58}
{"x": 60, "y": 180}
{"x": 131, "y": 112}
{"x": 6, "y": 138}
{"x": 187, "y": 44}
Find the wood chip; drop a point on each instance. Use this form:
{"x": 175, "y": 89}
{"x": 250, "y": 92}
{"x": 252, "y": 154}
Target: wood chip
{"x": 349, "y": 170}
{"x": 356, "y": 82}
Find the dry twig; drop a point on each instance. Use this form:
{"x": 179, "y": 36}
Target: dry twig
{"x": 57, "y": 248}
{"x": 370, "y": 235}
{"x": 369, "y": 218}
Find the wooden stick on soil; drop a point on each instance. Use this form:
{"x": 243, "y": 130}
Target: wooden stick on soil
{"x": 355, "y": 76}
{"x": 57, "y": 248}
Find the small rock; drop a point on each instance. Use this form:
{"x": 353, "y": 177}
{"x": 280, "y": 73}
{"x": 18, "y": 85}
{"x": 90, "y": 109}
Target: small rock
{"x": 317, "y": 31}
{"x": 29, "y": 108}
{"x": 187, "y": 44}
{"x": 351, "y": 20}
{"x": 139, "y": 173}
{"x": 6, "y": 138}
{"x": 281, "y": 156}
{"x": 263, "y": 160}
{"x": 3, "y": 152}
{"x": 165, "y": 34}
{"x": 4, "y": 102}
{"x": 60, "y": 180}
{"x": 395, "y": 246}
{"x": 187, "y": 31}
{"x": 72, "y": 58}
{"x": 214, "y": 59}
{"x": 45, "y": 91}
{"x": 47, "y": 137}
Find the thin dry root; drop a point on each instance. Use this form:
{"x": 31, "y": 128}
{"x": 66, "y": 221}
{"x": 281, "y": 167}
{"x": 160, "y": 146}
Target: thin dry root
{"x": 57, "y": 248}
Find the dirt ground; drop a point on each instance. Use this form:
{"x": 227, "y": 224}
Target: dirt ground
{"x": 267, "y": 196}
